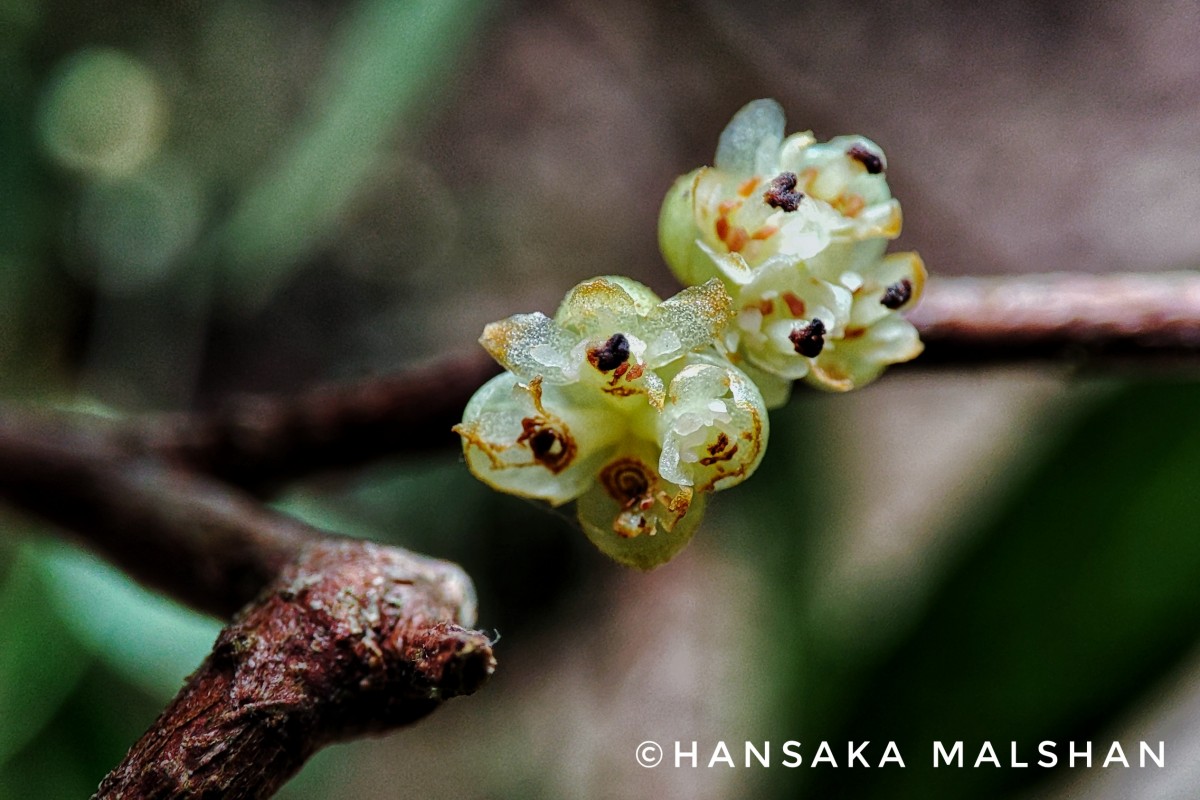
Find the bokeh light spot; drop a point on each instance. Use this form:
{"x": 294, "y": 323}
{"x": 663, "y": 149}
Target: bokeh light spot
{"x": 102, "y": 113}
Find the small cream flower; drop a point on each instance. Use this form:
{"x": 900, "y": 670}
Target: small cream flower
{"x": 796, "y": 230}
{"x": 875, "y": 335}
{"x": 767, "y": 196}
{"x": 621, "y": 403}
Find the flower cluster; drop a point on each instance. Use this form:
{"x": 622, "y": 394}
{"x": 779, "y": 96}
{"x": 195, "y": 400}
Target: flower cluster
{"x": 796, "y": 231}
{"x": 622, "y": 403}
{"x": 633, "y": 407}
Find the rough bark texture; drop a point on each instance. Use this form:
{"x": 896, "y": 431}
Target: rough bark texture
{"x": 340, "y": 637}
{"x": 353, "y": 638}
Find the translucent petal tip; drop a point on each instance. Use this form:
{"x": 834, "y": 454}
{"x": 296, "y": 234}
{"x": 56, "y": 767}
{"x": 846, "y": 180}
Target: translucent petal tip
{"x": 756, "y": 129}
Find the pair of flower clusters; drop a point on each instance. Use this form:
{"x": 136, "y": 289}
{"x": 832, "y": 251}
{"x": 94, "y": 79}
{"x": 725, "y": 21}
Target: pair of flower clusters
{"x": 636, "y": 408}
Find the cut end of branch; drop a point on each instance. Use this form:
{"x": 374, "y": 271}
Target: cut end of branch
{"x": 454, "y": 661}
{"x": 353, "y": 638}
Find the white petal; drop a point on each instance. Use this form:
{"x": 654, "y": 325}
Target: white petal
{"x": 714, "y": 427}
{"x": 790, "y": 299}
{"x": 662, "y": 530}
{"x": 696, "y": 317}
{"x": 852, "y": 363}
{"x": 535, "y": 440}
{"x": 603, "y": 306}
{"x": 531, "y": 345}
{"x": 752, "y": 138}
{"x": 732, "y": 267}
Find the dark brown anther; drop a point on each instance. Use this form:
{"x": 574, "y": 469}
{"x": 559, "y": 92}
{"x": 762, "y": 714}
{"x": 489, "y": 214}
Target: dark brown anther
{"x": 782, "y": 193}
{"x": 554, "y": 449}
{"x": 611, "y": 354}
{"x": 545, "y": 444}
{"x": 897, "y": 294}
{"x": 862, "y": 155}
{"x": 809, "y": 340}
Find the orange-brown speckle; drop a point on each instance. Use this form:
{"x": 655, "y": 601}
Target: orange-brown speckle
{"x": 722, "y": 228}
{"x": 720, "y": 450}
{"x": 851, "y": 205}
{"x": 738, "y": 238}
{"x": 764, "y": 306}
{"x": 807, "y": 177}
{"x": 795, "y": 304}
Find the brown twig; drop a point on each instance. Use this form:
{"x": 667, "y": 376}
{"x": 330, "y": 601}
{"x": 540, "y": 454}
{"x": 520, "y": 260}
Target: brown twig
{"x": 353, "y": 638}
{"x": 258, "y": 443}
{"x": 340, "y": 637}
{"x": 181, "y": 533}
{"x": 261, "y": 442}
{"x": 982, "y": 320}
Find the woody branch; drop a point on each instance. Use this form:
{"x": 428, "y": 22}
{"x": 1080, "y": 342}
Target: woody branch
{"x": 334, "y": 637}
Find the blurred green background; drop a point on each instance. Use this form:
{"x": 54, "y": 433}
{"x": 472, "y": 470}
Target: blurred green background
{"x": 203, "y": 199}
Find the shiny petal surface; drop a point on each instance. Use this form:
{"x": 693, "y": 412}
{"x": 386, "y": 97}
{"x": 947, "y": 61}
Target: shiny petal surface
{"x": 532, "y": 345}
{"x": 714, "y": 427}
{"x": 645, "y": 533}
{"x": 690, "y": 320}
{"x": 535, "y": 441}
{"x": 751, "y": 139}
